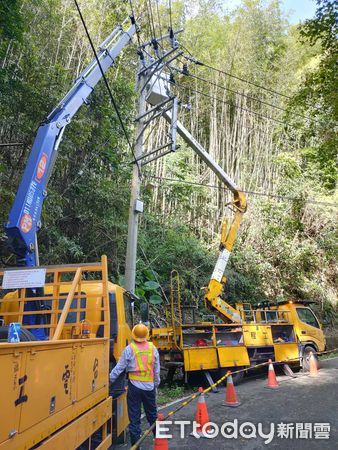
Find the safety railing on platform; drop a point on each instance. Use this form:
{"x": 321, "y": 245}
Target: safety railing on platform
{"x": 73, "y": 302}
{"x": 265, "y": 315}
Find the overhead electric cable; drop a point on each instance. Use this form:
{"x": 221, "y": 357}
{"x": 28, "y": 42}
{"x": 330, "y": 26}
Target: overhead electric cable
{"x": 200, "y": 63}
{"x": 106, "y": 83}
{"x": 11, "y": 144}
{"x": 159, "y": 18}
{"x": 212, "y": 83}
{"x": 170, "y": 16}
{"x": 235, "y": 105}
{"x": 134, "y": 16}
{"x": 213, "y": 186}
{"x": 151, "y": 19}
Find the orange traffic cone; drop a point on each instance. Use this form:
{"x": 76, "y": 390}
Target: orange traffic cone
{"x": 313, "y": 365}
{"x": 202, "y": 417}
{"x": 160, "y": 443}
{"x": 272, "y": 380}
{"x": 230, "y": 394}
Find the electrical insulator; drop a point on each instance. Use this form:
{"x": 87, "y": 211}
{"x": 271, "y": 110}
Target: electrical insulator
{"x": 185, "y": 69}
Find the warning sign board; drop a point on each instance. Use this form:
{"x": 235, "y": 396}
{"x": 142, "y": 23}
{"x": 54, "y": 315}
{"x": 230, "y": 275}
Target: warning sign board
{"x": 29, "y": 278}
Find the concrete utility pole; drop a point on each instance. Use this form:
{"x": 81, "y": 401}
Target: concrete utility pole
{"x": 136, "y": 205}
{"x": 148, "y": 68}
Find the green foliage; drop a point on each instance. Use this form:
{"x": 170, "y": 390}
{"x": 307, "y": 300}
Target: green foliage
{"x": 330, "y": 314}
{"x": 155, "y": 299}
{"x": 151, "y": 285}
{"x": 323, "y": 26}
{"x": 173, "y": 246}
{"x": 287, "y": 251}
{"x": 167, "y": 394}
{"x": 147, "y": 286}
{"x": 11, "y": 21}
{"x": 317, "y": 97}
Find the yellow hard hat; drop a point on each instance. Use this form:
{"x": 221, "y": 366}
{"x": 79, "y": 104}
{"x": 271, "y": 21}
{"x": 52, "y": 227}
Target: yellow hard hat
{"x": 140, "y": 332}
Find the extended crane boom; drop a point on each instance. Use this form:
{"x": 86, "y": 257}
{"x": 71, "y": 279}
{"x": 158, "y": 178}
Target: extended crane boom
{"x": 159, "y": 92}
{"x": 25, "y": 216}
{"x": 228, "y": 236}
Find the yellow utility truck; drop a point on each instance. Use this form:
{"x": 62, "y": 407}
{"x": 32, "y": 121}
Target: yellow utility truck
{"x": 55, "y": 393}
{"x": 285, "y": 332}
{"x": 245, "y": 336}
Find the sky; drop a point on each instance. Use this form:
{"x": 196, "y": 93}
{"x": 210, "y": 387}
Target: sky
{"x": 297, "y": 10}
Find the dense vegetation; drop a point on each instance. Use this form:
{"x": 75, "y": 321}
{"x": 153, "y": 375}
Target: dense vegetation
{"x": 282, "y": 145}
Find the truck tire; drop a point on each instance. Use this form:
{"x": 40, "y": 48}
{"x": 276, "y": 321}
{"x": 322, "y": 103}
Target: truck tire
{"x": 25, "y": 335}
{"x": 144, "y": 312}
{"x": 236, "y": 377}
{"x": 306, "y": 357}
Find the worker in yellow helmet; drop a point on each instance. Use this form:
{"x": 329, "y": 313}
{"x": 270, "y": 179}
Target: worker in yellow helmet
{"x": 141, "y": 361}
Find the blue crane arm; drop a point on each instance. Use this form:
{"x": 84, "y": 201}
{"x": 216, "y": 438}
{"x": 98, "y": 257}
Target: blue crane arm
{"x": 25, "y": 216}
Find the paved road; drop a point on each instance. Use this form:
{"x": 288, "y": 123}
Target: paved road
{"x": 302, "y": 400}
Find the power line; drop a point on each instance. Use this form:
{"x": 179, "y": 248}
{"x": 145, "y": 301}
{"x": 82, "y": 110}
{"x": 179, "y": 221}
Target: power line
{"x": 200, "y": 63}
{"x": 213, "y": 186}
{"x": 151, "y": 19}
{"x": 159, "y": 18}
{"x": 235, "y": 105}
{"x": 170, "y": 16}
{"x": 134, "y": 17}
{"x": 212, "y": 83}
{"x": 106, "y": 83}
{"x": 11, "y": 144}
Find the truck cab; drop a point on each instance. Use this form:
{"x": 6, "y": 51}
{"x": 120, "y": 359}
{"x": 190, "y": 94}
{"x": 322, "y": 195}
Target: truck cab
{"x": 307, "y": 327}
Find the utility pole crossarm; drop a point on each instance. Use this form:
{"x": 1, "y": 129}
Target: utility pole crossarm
{"x": 24, "y": 218}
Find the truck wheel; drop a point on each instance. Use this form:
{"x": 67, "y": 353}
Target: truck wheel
{"x": 144, "y": 312}
{"x": 25, "y": 335}
{"x": 306, "y": 357}
{"x": 236, "y": 377}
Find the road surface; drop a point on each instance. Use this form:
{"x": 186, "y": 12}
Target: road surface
{"x": 298, "y": 415}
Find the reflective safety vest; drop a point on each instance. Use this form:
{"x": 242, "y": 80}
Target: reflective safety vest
{"x": 144, "y": 356}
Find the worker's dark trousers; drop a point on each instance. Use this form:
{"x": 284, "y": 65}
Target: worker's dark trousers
{"x": 135, "y": 398}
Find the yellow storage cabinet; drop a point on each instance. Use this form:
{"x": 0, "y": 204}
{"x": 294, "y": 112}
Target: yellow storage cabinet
{"x": 287, "y": 352}
{"x": 200, "y": 358}
{"x": 233, "y": 356}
